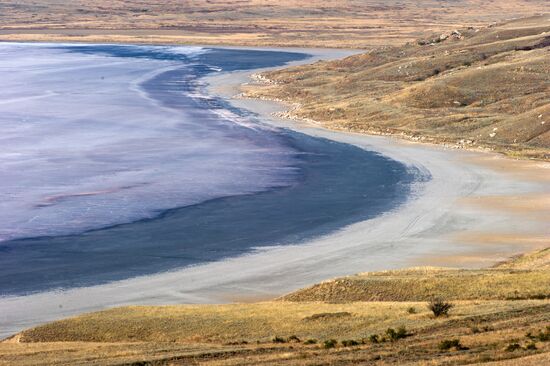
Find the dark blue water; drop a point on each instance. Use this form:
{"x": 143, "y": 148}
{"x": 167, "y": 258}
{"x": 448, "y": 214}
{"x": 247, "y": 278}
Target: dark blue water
{"x": 336, "y": 185}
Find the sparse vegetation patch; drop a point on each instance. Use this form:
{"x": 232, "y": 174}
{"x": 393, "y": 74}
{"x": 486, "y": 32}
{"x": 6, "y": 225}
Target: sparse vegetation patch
{"x": 440, "y": 307}
{"x": 447, "y": 344}
{"x": 327, "y": 316}
{"x": 469, "y": 88}
{"x": 331, "y": 343}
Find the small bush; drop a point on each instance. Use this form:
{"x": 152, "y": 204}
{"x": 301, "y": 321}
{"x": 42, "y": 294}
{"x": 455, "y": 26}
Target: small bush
{"x": 293, "y": 338}
{"x": 311, "y": 341}
{"x": 395, "y": 335}
{"x": 391, "y": 333}
{"x": 236, "y": 343}
{"x": 373, "y": 338}
{"x": 485, "y": 328}
{"x": 402, "y": 332}
{"x": 531, "y": 346}
{"x": 278, "y": 340}
{"x": 543, "y": 335}
{"x": 411, "y": 310}
{"x": 512, "y": 347}
{"x": 485, "y": 358}
{"x": 440, "y": 307}
{"x": 349, "y": 343}
{"x": 447, "y": 344}
{"x": 327, "y": 316}
{"x": 331, "y": 343}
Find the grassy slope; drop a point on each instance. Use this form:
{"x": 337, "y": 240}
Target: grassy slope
{"x": 537, "y": 260}
{"x": 314, "y": 23}
{"x": 425, "y": 283}
{"x": 241, "y": 334}
{"x": 215, "y": 334}
{"x": 485, "y": 87}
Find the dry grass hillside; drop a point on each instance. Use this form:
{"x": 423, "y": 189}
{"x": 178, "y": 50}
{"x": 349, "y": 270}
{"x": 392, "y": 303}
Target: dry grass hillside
{"x": 421, "y": 284}
{"x": 473, "y": 87}
{"x": 500, "y": 317}
{"x": 537, "y": 260}
{"x": 313, "y": 23}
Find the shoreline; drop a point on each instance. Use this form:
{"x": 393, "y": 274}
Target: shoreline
{"x": 529, "y": 174}
{"x": 417, "y": 233}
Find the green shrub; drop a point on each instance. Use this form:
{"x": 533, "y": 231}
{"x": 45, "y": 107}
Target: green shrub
{"x": 411, "y": 310}
{"x": 485, "y": 328}
{"x": 310, "y": 341}
{"x": 543, "y": 335}
{"x": 395, "y": 335}
{"x": 349, "y": 343}
{"x": 293, "y": 338}
{"x": 440, "y": 307}
{"x": 512, "y": 347}
{"x": 278, "y": 340}
{"x": 373, "y": 338}
{"x": 447, "y": 344}
{"x": 331, "y": 343}
{"x": 235, "y": 343}
{"x": 531, "y": 346}
{"x": 391, "y": 333}
{"x": 402, "y": 332}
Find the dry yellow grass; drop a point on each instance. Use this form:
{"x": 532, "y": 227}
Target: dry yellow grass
{"x": 537, "y": 260}
{"x": 485, "y": 87}
{"x": 261, "y": 322}
{"x": 313, "y": 23}
{"x": 89, "y": 353}
{"x": 217, "y": 334}
{"x": 422, "y": 284}
{"x": 243, "y": 334}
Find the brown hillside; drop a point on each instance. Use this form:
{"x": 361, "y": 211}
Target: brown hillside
{"x": 313, "y": 23}
{"x": 471, "y": 87}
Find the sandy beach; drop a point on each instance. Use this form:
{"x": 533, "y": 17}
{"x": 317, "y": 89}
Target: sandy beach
{"x": 451, "y": 220}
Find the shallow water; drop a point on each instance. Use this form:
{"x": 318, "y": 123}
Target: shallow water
{"x": 115, "y": 163}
